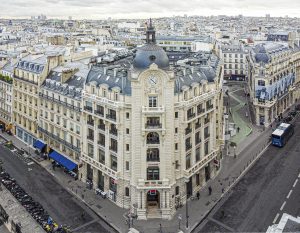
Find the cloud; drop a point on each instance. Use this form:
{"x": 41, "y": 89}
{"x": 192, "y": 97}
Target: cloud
{"x": 98, "y": 9}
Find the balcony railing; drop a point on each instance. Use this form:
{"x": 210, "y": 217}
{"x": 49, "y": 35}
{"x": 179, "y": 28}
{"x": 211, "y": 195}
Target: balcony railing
{"x": 153, "y": 125}
{"x": 209, "y": 106}
{"x": 152, "y": 159}
{"x": 153, "y": 141}
{"x": 102, "y": 127}
{"x": 114, "y": 132}
{"x": 99, "y": 113}
{"x": 102, "y": 143}
{"x": 200, "y": 110}
{"x": 58, "y": 139}
{"x": 88, "y": 108}
{"x": 191, "y": 115}
{"x": 90, "y": 137}
{"x": 70, "y": 106}
{"x": 113, "y": 148}
{"x": 197, "y": 125}
{"x": 188, "y": 146}
{"x": 111, "y": 117}
{"x": 90, "y": 122}
{"x": 188, "y": 131}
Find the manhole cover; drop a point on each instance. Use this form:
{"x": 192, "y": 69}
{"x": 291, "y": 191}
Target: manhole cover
{"x": 99, "y": 206}
{"x": 207, "y": 203}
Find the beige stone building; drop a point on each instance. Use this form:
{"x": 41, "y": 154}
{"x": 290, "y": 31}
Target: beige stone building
{"x": 273, "y": 78}
{"x": 154, "y": 132}
{"x": 60, "y": 119}
{"x": 29, "y": 74}
{"x": 6, "y": 95}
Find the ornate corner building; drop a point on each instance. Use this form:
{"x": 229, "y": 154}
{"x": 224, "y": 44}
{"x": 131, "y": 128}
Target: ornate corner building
{"x": 153, "y": 131}
{"x": 273, "y": 80}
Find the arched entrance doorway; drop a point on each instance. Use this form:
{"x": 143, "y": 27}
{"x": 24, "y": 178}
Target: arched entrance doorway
{"x": 153, "y": 199}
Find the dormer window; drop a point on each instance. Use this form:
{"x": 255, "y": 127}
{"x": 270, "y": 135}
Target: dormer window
{"x": 116, "y": 96}
{"x": 104, "y": 93}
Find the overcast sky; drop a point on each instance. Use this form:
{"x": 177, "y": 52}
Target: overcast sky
{"x": 100, "y": 9}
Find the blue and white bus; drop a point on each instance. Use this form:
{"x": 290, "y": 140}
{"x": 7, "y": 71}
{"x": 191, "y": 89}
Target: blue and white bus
{"x": 282, "y": 134}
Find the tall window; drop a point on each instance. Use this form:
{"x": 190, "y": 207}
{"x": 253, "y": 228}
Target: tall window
{"x": 188, "y": 161}
{"x": 153, "y": 173}
{"x": 206, "y": 148}
{"x": 102, "y": 156}
{"x": 91, "y": 150}
{"x": 114, "y": 162}
{"x": 198, "y": 154}
{"x": 152, "y": 101}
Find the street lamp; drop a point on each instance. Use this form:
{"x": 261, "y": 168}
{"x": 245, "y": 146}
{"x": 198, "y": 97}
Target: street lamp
{"x": 186, "y": 205}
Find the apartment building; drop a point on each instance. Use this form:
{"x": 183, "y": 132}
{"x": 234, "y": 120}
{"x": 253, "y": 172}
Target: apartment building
{"x": 6, "y": 96}
{"x": 153, "y": 134}
{"x": 29, "y": 74}
{"x": 60, "y": 113}
{"x": 235, "y": 62}
{"x": 273, "y": 77}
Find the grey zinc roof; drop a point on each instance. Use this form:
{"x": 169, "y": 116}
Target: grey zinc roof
{"x": 9, "y": 67}
{"x": 33, "y": 63}
{"x": 264, "y": 52}
{"x": 113, "y": 76}
{"x": 73, "y": 86}
{"x": 204, "y": 68}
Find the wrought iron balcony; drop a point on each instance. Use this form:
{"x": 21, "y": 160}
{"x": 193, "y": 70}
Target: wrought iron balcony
{"x": 111, "y": 117}
{"x": 114, "y": 132}
{"x": 188, "y": 131}
{"x": 102, "y": 127}
{"x": 152, "y": 125}
{"x": 191, "y": 115}
{"x": 188, "y": 146}
{"x": 99, "y": 113}
{"x": 88, "y": 108}
{"x": 90, "y": 122}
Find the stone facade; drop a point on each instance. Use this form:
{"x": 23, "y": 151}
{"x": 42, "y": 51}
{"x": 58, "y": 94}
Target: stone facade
{"x": 273, "y": 78}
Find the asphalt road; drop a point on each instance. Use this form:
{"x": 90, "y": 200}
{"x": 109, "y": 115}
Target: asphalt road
{"x": 60, "y": 204}
{"x": 253, "y": 204}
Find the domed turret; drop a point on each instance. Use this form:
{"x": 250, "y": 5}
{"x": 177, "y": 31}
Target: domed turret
{"x": 150, "y": 53}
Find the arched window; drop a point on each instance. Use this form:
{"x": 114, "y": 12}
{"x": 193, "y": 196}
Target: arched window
{"x": 152, "y": 138}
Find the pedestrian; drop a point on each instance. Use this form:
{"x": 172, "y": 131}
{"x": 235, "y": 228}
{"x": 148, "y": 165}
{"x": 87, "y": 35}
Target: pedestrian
{"x": 198, "y": 195}
{"x": 223, "y": 190}
{"x": 209, "y": 190}
{"x": 82, "y": 215}
{"x": 222, "y": 213}
{"x": 238, "y": 129}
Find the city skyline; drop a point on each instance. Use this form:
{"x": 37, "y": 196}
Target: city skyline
{"x": 95, "y": 9}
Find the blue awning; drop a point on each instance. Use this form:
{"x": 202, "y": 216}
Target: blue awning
{"x": 62, "y": 160}
{"x": 39, "y": 145}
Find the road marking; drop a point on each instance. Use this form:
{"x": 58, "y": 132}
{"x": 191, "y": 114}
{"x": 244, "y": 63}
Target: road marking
{"x": 288, "y": 196}
{"x": 299, "y": 175}
{"x": 295, "y": 183}
{"x": 30, "y": 163}
{"x": 281, "y": 208}
{"x": 275, "y": 219}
